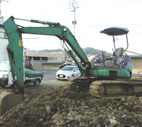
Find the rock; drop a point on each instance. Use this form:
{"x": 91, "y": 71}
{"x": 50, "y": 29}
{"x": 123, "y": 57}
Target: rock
{"x": 57, "y": 117}
{"x": 48, "y": 109}
{"x": 113, "y": 122}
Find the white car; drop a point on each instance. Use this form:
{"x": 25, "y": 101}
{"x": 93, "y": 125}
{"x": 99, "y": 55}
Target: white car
{"x": 67, "y": 72}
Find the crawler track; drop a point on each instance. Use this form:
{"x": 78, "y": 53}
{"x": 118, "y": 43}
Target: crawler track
{"x": 116, "y": 88}
{"x": 108, "y": 89}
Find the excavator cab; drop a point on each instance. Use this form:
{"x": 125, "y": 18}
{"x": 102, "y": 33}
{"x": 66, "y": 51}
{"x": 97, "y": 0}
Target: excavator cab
{"x": 119, "y": 59}
{"x": 116, "y": 31}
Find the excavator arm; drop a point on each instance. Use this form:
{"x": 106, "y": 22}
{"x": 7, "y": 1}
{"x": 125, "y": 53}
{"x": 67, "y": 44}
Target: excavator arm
{"x": 15, "y": 46}
{"x": 105, "y": 71}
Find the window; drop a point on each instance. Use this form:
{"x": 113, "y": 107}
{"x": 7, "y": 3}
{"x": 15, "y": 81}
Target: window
{"x": 76, "y": 69}
{"x": 44, "y": 58}
{"x": 52, "y": 58}
{"x": 36, "y": 58}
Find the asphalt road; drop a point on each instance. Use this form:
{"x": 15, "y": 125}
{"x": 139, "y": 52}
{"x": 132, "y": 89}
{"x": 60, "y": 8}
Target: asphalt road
{"x": 49, "y": 77}
{"x": 48, "y": 74}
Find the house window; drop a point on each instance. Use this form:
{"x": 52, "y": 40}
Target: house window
{"x": 52, "y": 58}
{"x": 44, "y": 58}
{"x": 36, "y": 58}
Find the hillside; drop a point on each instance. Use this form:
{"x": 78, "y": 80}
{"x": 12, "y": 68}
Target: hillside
{"x": 87, "y": 50}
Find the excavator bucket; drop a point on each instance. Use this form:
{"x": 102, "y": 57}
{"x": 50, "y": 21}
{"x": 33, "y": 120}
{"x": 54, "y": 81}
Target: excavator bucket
{"x": 8, "y": 100}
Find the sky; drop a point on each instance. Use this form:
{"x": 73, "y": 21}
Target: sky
{"x": 92, "y": 16}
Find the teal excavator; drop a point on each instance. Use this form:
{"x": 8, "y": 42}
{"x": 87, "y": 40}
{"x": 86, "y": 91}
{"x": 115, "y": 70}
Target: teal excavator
{"x": 110, "y": 74}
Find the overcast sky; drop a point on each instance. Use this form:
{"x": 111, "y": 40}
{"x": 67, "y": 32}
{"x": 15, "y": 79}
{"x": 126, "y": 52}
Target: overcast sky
{"x": 92, "y": 16}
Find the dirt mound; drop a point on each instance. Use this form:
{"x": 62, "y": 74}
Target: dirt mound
{"x": 69, "y": 107}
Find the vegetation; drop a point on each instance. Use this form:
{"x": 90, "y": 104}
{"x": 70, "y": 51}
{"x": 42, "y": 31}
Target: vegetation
{"x": 47, "y": 66}
{"x": 87, "y": 50}
{"x": 92, "y": 51}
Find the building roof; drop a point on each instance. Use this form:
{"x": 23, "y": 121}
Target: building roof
{"x": 133, "y": 53}
{"x": 41, "y": 54}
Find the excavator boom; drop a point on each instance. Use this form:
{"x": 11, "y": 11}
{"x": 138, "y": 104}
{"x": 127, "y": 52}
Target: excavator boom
{"x": 15, "y": 46}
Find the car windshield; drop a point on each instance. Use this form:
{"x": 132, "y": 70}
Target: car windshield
{"x": 4, "y": 66}
{"x": 67, "y": 68}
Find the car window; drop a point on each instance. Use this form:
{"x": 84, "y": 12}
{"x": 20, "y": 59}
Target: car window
{"x": 76, "y": 69}
{"x": 67, "y": 68}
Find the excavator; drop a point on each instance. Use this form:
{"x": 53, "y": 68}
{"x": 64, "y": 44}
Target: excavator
{"x": 109, "y": 75}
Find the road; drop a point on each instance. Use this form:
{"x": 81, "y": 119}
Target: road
{"x": 49, "y": 81}
{"x": 49, "y": 78}
{"x": 49, "y": 74}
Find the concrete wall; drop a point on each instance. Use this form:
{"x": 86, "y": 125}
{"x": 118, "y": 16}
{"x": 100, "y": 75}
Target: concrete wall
{"x": 3, "y": 45}
{"x": 46, "y": 62}
{"x": 138, "y": 64}
{"x": 3, "y": 51}
{"x": 42, "y": 60}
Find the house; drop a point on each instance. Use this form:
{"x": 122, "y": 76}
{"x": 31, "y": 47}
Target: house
{"x": 3, "y": 43}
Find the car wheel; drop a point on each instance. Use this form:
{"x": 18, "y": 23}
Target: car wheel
{"x": 36, "y": 82}
{"x": 72, "y": 75}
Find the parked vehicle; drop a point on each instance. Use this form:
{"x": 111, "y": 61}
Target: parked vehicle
{"x": 31, "y": 76}
{"x": 5, "y": 74}
{"x": 67, "y": 72}
{"x": 66, "y": 63}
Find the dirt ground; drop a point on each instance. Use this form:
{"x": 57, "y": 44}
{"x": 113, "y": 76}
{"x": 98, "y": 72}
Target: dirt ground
{"x": 67, "y": 106}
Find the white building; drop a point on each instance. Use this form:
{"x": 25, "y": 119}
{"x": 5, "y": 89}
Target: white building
{"x": 3, "y": 44}
{"x": 43, "y": 58}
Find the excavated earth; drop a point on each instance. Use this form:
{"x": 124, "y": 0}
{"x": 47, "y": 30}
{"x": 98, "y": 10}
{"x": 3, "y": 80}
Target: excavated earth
{"x": 69, "y": 106}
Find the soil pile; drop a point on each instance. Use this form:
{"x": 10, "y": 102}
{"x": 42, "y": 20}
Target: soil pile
{"x": 68, "y": 106}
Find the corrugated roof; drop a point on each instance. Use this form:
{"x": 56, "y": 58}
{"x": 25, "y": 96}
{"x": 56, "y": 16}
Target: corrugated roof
{"x": 42, "y": 54}
{"x": 133, "y": 53}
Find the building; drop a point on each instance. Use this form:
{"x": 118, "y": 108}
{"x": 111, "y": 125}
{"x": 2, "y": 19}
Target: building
{"x": 3, "y": 44}
{"x": 42, "y": 58}
{"x": 136, "y": 61}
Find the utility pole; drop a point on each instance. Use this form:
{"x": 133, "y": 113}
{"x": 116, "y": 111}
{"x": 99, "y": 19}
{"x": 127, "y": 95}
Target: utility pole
{"x": 73, "y": 5}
